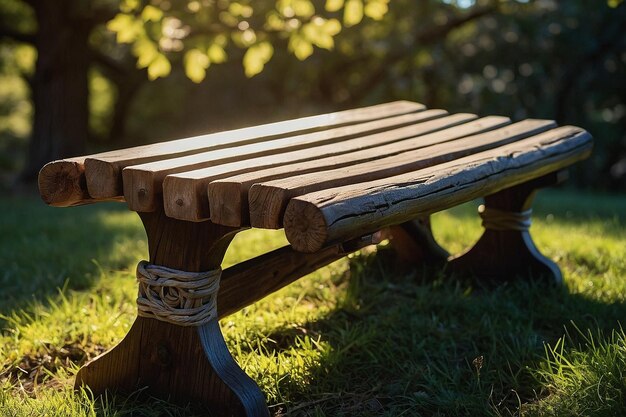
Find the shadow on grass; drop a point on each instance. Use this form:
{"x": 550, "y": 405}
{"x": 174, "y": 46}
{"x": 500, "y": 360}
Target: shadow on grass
{"x": 564, "y": 205}
{"x": 423, "y": 346}
{"x": 44, "y": 248}
{"x": 397, "y": 344}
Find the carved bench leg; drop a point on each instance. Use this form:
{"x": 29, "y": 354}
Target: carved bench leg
{"x": 506, "y": 250}
{"x": 414, "y": 243}
{"x": 183, "y": 364}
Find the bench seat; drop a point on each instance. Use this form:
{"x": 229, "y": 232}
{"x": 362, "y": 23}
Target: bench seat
{"x": 352, "y": 172}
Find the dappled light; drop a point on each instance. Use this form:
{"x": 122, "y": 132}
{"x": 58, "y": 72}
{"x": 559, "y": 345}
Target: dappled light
{"x": 313, "y": 241}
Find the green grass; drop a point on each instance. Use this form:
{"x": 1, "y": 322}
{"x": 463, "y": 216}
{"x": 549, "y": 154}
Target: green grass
{"x": 362, "y": 337}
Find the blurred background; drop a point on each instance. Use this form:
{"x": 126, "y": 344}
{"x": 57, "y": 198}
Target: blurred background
{"x": 83, "y": 76}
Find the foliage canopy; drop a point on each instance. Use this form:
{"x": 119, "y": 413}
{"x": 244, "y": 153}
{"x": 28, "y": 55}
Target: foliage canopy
{"x": 202, "y": 30}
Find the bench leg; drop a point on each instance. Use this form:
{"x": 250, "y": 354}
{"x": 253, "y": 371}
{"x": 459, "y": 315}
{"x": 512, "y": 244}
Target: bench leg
{"x": 506, "y": 251}
{"x": 182, "y": 364}
{"x": 414, "y": 243}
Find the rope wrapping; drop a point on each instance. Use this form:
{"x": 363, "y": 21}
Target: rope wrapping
{"x": 177, "y": 297}
{"x": 494, "y": 219}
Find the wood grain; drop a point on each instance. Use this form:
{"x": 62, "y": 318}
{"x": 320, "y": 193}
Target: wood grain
{"x": 228, "y": 198}
{"x": 268, "y": 200}
{"x": 187, "y": 193}
{"x": 62, "y": 183}
{"x": 314, "y": 220}
{"x": 143, "y": 183}
{"x": 103, "y": 172}
{"x": 249, "y": 281}
{"x": 184, "y": 364}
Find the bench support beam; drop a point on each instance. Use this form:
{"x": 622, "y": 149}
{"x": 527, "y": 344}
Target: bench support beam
{"x": 183, "y": 364}
{"x": 414, "y": 243}
{"x": 506, "y": 255}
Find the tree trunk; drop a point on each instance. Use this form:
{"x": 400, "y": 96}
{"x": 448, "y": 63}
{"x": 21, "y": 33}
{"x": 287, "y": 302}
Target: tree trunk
{"x": 128, "y": 85}
{"x": 59, "y": 85}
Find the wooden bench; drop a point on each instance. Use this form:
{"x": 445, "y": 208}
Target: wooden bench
{"x": 332, "y": 182}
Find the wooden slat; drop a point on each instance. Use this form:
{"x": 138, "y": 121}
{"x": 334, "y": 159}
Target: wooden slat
{"x": 103, "y": 172}
{"x": 331, "y": 215}
{"x": 143, "y": 183}
{"x": 63, "y": 183}
{"x": 185, "y": 194}
{"x": 228, "y": 197}
{"x": 268, "y": 200}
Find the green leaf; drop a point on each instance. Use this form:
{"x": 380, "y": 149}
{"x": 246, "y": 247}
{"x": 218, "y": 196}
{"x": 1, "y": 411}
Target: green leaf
{"x": 221, "y": 40}
{"x": 240, "y": 10}
{"x": 126, "y": 27}
{"x": 614, "y": 3}
{"x": 376, "y": 9}
{"x": 217, "y": 54}
{"x": 334, "y": 5}
{"x": 146, "y": 52}
{"x": 244, "y": 39}
{"x": 274, "y": 21}
{"x": 151, "y": 14}
{"x": 160, "y": 67}
{"x": 128, "y": 6}
{"x": 303, "y": 8}
{"x": 332, "y": 27}
{"x": 316, "y": 33}
{"x": 300, "y": 47}
{"x": 256, "y": 57}
{"x": 353, "y": 12}
{"x": 196, "y": 62}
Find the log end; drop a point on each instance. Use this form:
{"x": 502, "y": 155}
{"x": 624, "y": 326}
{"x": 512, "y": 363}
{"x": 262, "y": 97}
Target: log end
{"x": 305, "y": 226}
{"x": 185, "y": 199}
{"x": 62, "y": 183}
{"x": 141, "y": 190}
{"x": 267, "y": 205}
{"x": 104, "y": 179}
{"x": 228, "y": 203}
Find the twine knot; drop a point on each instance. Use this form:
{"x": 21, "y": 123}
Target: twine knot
{"x": 177, "y": 297}
{"x": 494, "y": 219}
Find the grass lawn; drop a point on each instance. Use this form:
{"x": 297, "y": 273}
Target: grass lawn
{"x": 362, "y": 337}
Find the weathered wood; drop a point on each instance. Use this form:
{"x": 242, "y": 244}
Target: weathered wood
{"x": 143, "y": 183}
{"x": 506, "y": 255}
{"x": 185, "y": 194}
{"x": 104, "y": 171}
{"x": 317, "y": 219}
{"x": 62, "y": 183}
{"x": 252, "y": 280}
{"x": 227, "y": 201}
{"x": 228, "y": 197}
{"x": 185, "y": 364}
{"x": 72, "y": 187}
{"x": 268, "y": 200}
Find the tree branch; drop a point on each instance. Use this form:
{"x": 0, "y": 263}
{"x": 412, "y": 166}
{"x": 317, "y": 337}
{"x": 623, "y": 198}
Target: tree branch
{"x": 427, "y": 36}
{"x": 108, "y": 63}
{"x": 436, "y": 33}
